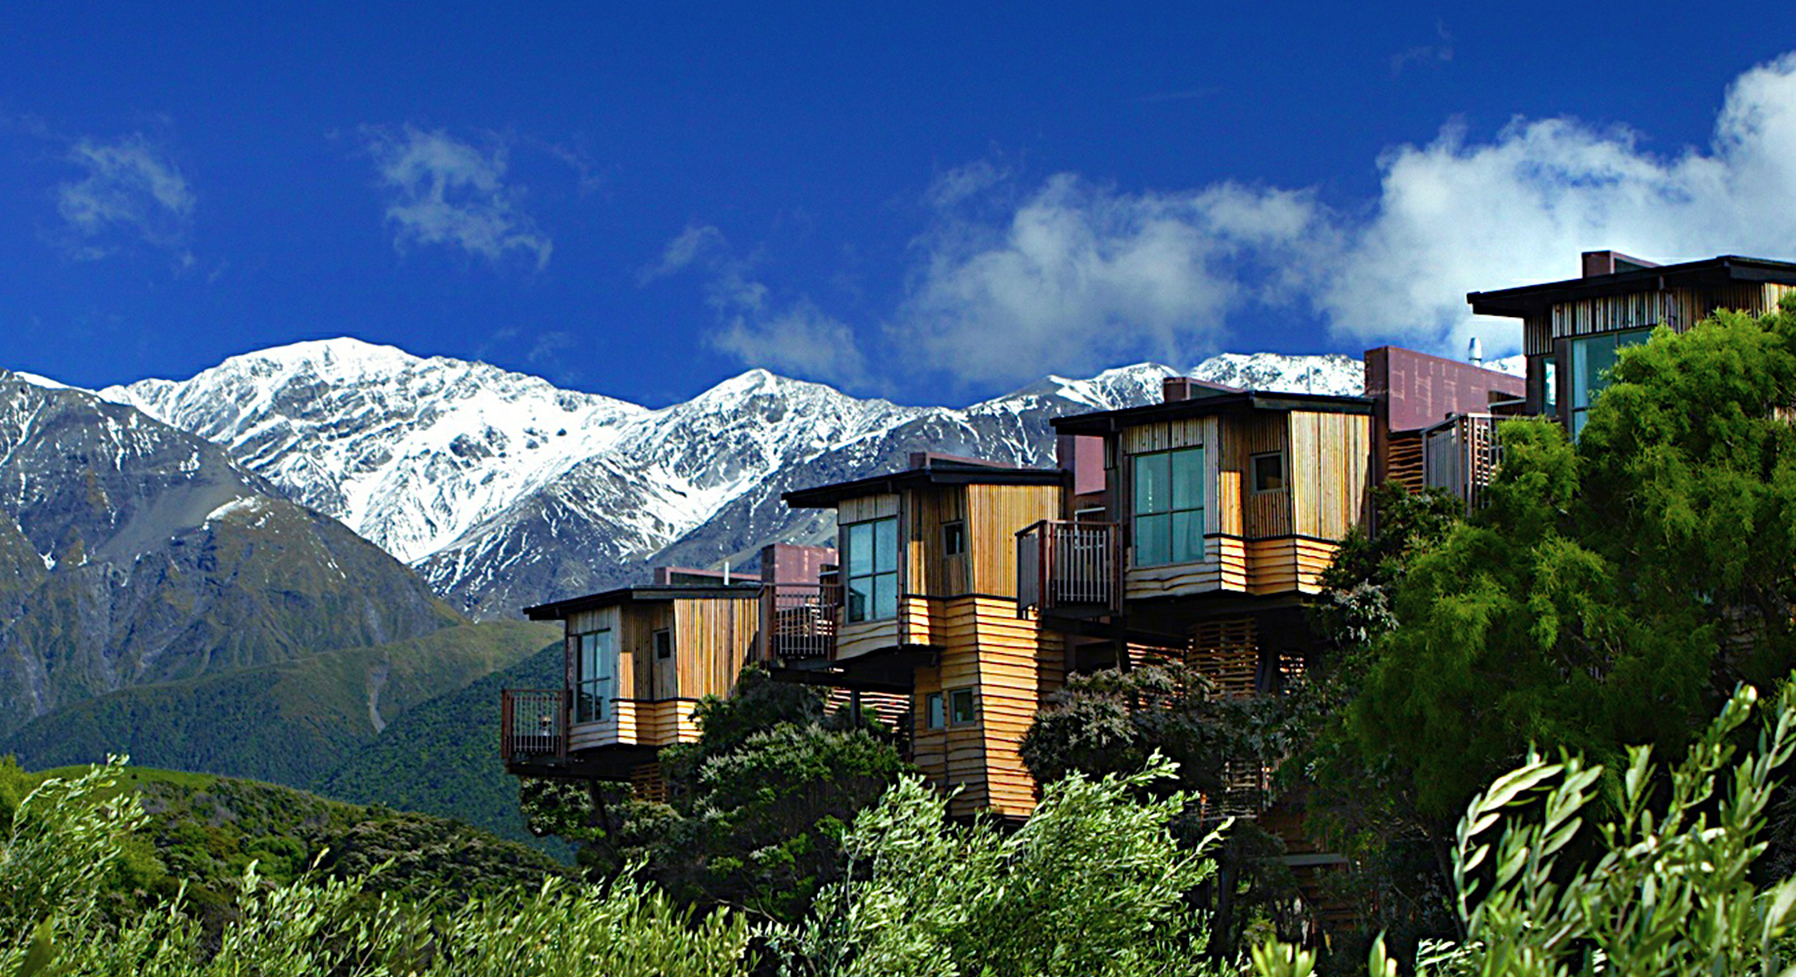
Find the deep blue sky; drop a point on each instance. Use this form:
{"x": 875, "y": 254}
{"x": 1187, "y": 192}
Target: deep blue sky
{"x": 933, "y": 204}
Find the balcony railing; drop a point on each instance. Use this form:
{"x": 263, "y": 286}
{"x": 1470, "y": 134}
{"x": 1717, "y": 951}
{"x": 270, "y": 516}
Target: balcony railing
{"x": 1069, "y": 565}
{"x": 1461, "y": 455}
{"x": 533, "y": 724}
{"x": 799, "y": 621}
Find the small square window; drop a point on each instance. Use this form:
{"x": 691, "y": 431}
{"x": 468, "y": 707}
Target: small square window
{"x": 1269, "y": 472}
{"x": 663, "y": 644}
{"x": 954, "y": 538}
{"x": 960, "y": 706}
{"x": 932, "y": 711}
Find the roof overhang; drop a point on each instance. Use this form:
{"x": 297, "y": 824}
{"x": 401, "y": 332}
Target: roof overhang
{"x": 559, "y": 610}
{"x": 827, "y": 496}
{"x": 1529, "y": 300}
{"x": 1111, "y": 421}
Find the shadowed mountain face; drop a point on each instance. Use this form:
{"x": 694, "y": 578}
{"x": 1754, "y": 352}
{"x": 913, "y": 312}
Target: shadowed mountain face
{"x": 504, "y": 491}
{"x": 132, "y": 552}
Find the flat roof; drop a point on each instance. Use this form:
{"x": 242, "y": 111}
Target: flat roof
{"x": 560, "y": 609}
{"x": 1525, "y": 300}
{"x": 1109, "y": 421}
{"x": 938, "y": 471}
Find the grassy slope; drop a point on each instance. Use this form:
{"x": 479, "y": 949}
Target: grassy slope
{"x": 290, "y": 723}
{"x": 442, "y": 756}
{"x": 204, "y": 830}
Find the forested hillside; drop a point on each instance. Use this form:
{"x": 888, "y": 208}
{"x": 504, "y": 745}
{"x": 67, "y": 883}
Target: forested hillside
{"x": 291, "y": 723}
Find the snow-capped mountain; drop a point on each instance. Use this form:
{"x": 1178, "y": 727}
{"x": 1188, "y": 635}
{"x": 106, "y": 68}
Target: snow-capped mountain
{"x": 504, "y": 490}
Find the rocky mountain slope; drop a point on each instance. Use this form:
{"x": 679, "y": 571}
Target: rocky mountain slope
{"x": 504, "y": 490}
{"x": 133, "y": 552}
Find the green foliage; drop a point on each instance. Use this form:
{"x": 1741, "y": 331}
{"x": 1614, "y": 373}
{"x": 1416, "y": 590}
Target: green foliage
{"x": 1613, "y": 590}
{"x": 1094, "y": 883}
{"x": 66, "y": 833}
{"x": 439, "y": 757}
{"x": 755, "y": 807}
{"x": 1672, "y": 891}
{"x": 291, "y": 723}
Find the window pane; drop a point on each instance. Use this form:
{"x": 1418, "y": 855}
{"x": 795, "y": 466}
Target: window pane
{"x": 1153, "y": 540}
{"x": 860, "y": 548}
{"x": 885, "y": 596}
{"x": 960, "y": 703}
{"x": 860, "y": 598}
{"x": 1549, "y": 391}
{"x": 1153, "y": 483}
{"x": 1187, "y": 537}
{"x": 885, "y": 545}
{"x": 1187, "y": 478}
{"x": 1268, "y": 472}
{"x": 605, "y": 659}
{"x": 933, "y": 710}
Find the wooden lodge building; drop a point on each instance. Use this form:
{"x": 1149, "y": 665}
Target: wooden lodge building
{"x": 1196, "y": 528}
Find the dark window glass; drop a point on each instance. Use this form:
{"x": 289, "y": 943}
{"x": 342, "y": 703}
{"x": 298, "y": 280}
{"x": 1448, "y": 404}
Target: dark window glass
{"x": 1169, "y": 507}
{"x": 872, "y": 582}
{"x": 595, "y": 670}
{"x": 1269, "y": 472}
{"x": 663, "y": 644}
{"x": 960, "y": 706}
{"x": 954, "y": 538}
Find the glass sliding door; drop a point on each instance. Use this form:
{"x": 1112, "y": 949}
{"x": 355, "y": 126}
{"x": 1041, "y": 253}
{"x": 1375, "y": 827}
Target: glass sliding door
{"x": 1169, "y": 507}
{"x": 595, "y": 669}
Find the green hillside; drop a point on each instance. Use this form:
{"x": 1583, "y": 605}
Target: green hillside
{"x": 204, "y": 830}
{"x": 289, "y": 723}
{"x": 442, "y": 756}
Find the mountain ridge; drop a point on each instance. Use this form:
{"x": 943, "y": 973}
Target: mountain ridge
{"x": 504, "y": 490}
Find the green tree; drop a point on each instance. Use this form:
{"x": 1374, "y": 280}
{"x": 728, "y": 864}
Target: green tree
{"x": 754, "y": 806}
{"x": 1111, "y": 722}
{"x": 1093, "y": 883}
{"x": 1671, "y": 891}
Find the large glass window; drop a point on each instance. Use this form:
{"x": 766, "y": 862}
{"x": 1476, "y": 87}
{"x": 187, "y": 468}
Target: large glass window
{"x": 595, "y": 671}
{"x": 1592, "y": 359}
{"x": 1169, "y": 507}
{"x": 872, "y": 565}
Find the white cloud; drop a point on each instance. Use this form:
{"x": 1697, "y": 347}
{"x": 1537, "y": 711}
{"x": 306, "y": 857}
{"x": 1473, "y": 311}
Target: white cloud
{"x": 132, "y": 190}
{"x": 1456, "y": 216}
{"x": 1081, "y": 276}
{"x": 443, "y": 191}
{"x": 800, "y": 339}
{"x": 1075, "y": 276}
{"x": 795, "y": 337}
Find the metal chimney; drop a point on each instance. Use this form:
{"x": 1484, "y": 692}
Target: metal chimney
{"x": 1474, "y": 353}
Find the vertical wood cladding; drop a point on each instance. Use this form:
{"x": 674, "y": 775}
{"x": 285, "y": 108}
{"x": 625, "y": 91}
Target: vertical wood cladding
{"x": 1679, "y": 308}
{"x": 712, "y": 640}
{"x": 929, "y": 570}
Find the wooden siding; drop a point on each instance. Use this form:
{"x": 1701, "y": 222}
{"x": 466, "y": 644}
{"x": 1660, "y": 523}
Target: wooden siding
{"x": 1679, "y": 308}
{"x": 1244, "y": 511}
{"x": 1404, "y": 460}
{"x": 1255, "y": 542}
{"x": 994, "y": 515}
{"x": 712, "y": 639}
{"x": 1010, "y": 664}
{"x": 865, "y": 508}
{"x": 1330, "y": 469}
{"x": 928, "y": 569}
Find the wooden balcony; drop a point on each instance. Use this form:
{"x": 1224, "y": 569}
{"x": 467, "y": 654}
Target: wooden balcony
{"x": 1073, "y": 566}
{"x": 533, "y": 724}
{"x": 1461, "y": 455}
{"x": 799, "y": 621}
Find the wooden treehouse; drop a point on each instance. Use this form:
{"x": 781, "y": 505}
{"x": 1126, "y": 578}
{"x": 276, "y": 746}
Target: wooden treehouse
{"x": 637, "y": 661}
{"x": 922, "y": 604}
{"x": 1573, "y": 330}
